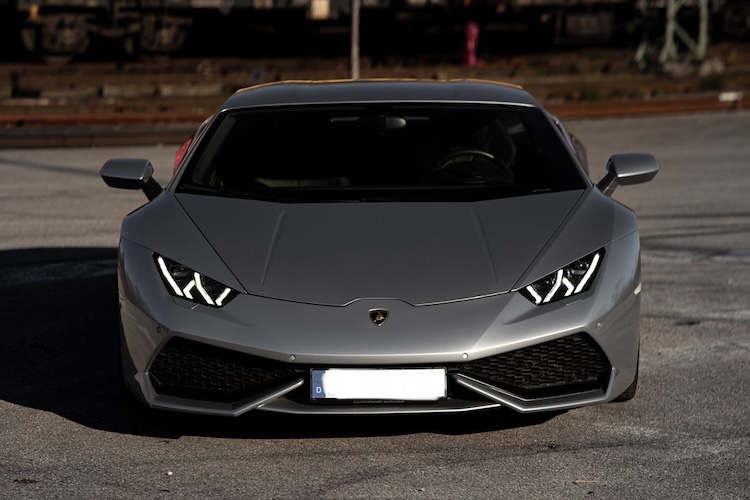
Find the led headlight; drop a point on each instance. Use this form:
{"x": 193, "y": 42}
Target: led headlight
{"x": 183, "y": 282}
{"x": 570, "y": 280}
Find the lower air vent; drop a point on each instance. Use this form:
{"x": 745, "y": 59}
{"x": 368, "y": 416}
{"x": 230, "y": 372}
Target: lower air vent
{"x": 562, "y": 366}
{"x": 191, "y": 369}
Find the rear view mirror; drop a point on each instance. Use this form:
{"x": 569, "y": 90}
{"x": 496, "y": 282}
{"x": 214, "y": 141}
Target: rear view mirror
{"x": 628, "y": 168}
{"x": 131, "y": 173}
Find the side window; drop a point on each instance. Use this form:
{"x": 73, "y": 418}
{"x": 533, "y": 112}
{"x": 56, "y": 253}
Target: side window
{"x": 575, "y": 144}
{"x": 213, "y": 153}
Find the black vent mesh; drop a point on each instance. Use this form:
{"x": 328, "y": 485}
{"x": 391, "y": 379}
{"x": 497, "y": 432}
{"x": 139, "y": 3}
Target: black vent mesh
{"x": 565, "y": 365}
{"x": 195, "y": 370}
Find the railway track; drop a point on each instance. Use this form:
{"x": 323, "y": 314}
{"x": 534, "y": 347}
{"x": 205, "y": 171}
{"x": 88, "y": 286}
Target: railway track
{"x": 114, "y": 129}
{"x": 162, "y": 102}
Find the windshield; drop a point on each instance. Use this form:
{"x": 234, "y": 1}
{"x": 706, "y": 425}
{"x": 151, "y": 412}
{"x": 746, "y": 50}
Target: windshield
{"x": 381, "y": 152}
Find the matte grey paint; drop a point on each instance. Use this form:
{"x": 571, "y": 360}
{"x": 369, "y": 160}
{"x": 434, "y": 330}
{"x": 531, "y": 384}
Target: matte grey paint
{"x": 413, "y": 334}
{"x": 344, "y": 335}
{"x": 131, "y": 173}
{"x": 633, "y": 168}
{"x": 126, "y": 173}
{"x": 627, "y": 169}
{"x": 164, "y": 227}
{"x": 417, "y": 252}
{"x": 310, "y": 274}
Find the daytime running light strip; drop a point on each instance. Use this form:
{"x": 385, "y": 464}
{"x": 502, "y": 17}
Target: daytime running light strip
{"x": 588, "y": 274}
{"x": 168, "y": 277}
{"x": 220, "y": 300}
{"x": 203, "y": 292}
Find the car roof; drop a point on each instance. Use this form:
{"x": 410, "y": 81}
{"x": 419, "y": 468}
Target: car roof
{"x": 350, "y": 91}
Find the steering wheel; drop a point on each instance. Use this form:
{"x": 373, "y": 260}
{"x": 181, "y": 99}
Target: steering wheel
{"x": 458, "y": 153}
{"x": 479, "y": 167}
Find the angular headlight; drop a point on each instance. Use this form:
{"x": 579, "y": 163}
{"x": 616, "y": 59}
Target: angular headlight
{"x": 183, "y": 282}
{"x": 570, "y": 280}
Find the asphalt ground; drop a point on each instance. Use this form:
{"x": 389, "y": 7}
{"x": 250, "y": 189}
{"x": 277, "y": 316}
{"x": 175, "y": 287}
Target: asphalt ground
{"x": 67, "y": 432}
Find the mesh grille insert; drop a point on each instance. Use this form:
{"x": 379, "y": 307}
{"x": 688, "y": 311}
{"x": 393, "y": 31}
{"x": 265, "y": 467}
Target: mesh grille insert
{"x": 561, "y": 366}
{"x": 195, "y": 370}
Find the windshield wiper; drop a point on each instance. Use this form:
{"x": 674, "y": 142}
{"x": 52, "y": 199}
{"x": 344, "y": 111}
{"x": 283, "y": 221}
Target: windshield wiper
{"x": 250, "y": 193}
{"x": 423, "y": 194}
{"x": 260, "y": 194}
{"x": 296, "y": 195}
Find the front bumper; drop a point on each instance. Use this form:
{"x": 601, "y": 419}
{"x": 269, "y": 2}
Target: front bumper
{"x": 498, "y": 351}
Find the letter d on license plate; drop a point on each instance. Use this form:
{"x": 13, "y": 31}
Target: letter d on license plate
{"x": 408, "y": 384}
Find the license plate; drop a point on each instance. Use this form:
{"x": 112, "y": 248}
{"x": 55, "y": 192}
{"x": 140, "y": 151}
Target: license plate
{"x": 408, "y": 384}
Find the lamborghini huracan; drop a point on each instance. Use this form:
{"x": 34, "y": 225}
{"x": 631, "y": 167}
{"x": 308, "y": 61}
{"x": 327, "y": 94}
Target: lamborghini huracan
{"x": 380, "y": 247}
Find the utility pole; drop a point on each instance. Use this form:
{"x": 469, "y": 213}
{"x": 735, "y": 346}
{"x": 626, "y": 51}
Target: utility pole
{"x": 355, "y": 39}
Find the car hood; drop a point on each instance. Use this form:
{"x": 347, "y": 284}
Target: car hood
{"x": 336, "y": 253}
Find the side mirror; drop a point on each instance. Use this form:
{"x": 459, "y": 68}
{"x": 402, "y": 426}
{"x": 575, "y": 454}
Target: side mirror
{"x": 626, "y": 169}
{"x": 131, "y": 173}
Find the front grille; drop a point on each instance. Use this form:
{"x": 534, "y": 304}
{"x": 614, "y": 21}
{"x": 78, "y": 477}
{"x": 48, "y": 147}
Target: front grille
{"x": 561, "y": 366}
{"x": 190, "y": 369}
{"x": 195, "y": 370}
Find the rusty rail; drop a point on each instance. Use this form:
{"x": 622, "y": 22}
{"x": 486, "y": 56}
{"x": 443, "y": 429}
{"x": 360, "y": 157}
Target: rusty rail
{"x": 172, "y": 127}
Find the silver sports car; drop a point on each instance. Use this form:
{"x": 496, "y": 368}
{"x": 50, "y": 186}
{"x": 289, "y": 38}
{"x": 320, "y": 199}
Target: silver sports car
{"x": 377, "y": 247}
